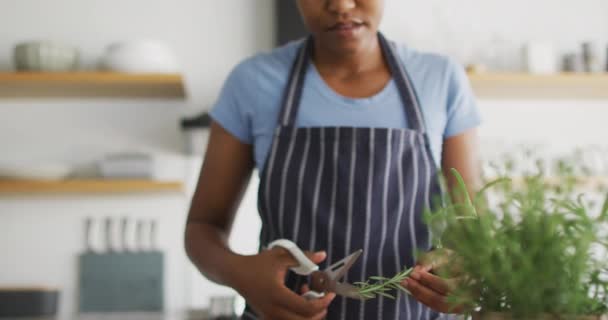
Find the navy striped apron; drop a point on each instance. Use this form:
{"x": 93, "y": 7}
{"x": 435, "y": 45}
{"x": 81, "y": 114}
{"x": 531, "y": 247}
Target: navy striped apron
{"x": 341, "y": 189}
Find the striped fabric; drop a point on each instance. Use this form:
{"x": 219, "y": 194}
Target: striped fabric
{"x": 341, "y": 189}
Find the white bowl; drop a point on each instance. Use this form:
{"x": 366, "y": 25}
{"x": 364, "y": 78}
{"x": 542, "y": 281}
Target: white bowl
{"x": 140, "y": 57}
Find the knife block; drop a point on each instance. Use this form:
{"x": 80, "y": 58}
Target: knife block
{"x": 121, "y": 281}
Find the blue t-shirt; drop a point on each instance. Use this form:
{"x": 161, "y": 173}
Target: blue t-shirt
{"x": 251, "y": 99}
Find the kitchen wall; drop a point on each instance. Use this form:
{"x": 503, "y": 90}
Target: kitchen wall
{"x": 208, "y": 38}
{"x": 470, "y": 30}
{"x": 40, "y": 236}
{"x": 493, "y": 32}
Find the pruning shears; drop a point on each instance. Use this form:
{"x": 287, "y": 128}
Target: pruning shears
{"x": 327, "y": 280}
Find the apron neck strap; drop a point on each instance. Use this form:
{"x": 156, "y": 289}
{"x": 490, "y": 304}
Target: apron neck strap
{"x": 293, "y": 94}
{"x": 291, "y": 98}
{"x": 409, "y": 98}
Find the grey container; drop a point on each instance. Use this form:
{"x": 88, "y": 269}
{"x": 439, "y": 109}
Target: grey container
{"x": 45, "y": 56}
{"x": 121, "y": 281}
{"x": 28, "y": 303}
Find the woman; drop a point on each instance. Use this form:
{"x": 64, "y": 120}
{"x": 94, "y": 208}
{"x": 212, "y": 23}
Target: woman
{"x": 347, "y": 131}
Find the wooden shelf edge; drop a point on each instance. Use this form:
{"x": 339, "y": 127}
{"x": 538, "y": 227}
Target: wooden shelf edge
{"x": 576, "y": 86}
{"x": 95, "y": 76}
{"x": 587, "y": 182}
{"x": 90, "y": 85}
{"x": 523, "y": 75}
{"x": 88, "y": 186}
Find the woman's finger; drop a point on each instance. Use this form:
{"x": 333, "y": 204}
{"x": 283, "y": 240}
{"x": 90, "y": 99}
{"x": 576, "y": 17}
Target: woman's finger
{"x": 298, "y": 304}
{"x": 288, "y": 260}
{"x": 431, "y": 281}
{"x": 426, "y": 296}
{"x": 304, "y": 289}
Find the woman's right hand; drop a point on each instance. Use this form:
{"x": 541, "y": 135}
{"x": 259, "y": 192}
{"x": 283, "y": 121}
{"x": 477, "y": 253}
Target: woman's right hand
{"x": 263, "y": 286}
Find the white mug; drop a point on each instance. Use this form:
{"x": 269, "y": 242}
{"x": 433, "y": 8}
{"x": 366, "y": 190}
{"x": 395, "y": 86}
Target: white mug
{"x": 540, "y": 58}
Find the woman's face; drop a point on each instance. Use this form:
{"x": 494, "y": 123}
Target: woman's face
{"x": 342, "y": 26}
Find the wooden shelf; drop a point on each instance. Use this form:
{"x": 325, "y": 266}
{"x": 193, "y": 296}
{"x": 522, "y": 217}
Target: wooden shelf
{"x": 88, "y": 186}
{"x": 526, "y": 86}
{"x": 170, "y": 86}
{"x": 90, "y": 85}
{"x": 584, "y": 182}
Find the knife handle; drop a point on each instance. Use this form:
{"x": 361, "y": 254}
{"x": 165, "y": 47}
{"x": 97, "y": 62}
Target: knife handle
{"x": 108, "y": 235}
{"x": 139, "y": 236}
{"x": 152, "y": 244}
{"x": 88, "y": 229}
{"x": 124, "y": 225}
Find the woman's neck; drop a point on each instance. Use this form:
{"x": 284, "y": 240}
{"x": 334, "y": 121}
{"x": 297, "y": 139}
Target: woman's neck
{"x": 367, "y": 58}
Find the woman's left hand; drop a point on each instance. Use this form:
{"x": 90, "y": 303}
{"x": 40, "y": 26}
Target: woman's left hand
{"x": 431, "y": 290}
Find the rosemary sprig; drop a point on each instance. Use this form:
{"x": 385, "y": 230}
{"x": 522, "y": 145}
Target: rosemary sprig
{"x": 380, "y": 286}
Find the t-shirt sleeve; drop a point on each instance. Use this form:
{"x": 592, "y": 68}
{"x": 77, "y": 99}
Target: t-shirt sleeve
{"x": 232, "y": 110}
{"x": 462, "y": 110}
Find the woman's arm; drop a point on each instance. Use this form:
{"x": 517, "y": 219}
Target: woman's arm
{"x": 259, "y": 278}
{"x": 461, "y": 153}
{"x": 223, "y": 179}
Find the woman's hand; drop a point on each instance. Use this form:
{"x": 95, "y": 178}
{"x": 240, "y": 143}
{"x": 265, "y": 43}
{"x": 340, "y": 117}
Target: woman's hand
{"x": 430, "y": 289}
{"x": 263, "y": 286}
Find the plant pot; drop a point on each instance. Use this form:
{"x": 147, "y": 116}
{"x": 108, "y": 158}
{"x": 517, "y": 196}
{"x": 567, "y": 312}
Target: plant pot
{"x": 507, "y": 316}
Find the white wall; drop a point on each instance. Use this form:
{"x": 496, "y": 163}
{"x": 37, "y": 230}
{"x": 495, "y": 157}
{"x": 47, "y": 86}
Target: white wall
{"x": 41, "y": 236}
{"x": 208, "y": 37}
{"x": 493, "y": 31}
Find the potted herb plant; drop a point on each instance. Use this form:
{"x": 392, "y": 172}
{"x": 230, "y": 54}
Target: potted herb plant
{"x": 536, "y": 251}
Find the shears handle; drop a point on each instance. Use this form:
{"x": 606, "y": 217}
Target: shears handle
{"x": 313, "y": 295}
{"x": 305, "y": 266}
